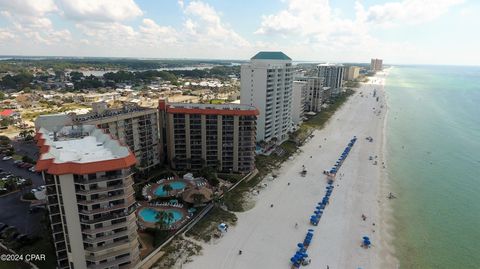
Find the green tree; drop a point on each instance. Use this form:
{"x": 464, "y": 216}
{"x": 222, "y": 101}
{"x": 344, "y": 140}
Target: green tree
{"x": 164, "y": 219}
{"x": 167, "y": 189}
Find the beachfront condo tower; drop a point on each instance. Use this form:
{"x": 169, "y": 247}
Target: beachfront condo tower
{"x": 316, "y": 94}
{"x": 351, "y": 73}
{"x": 220, "y": 136}
{"x": 299, "y": 97}
{"x": 376, "y": 64}
{"x": 90, "y": 198}
{"x": 331, "y": 75}
{"x": 133, "y": 125}
{"x": 266, "y": 83}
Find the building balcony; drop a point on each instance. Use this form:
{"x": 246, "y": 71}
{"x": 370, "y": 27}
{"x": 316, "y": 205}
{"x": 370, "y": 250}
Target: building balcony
{"x": 106, "y": 198}
{"x": 93, "y": 240}
{"x": 128, "y": 202}
{"x": 103, "y": 178}
{"x": 111, "y": 264}
{"x": 129, "y": 223}
{"x": 122, "y": 247}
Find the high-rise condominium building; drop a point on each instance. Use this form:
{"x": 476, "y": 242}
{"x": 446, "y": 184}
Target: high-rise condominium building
{"x": 376, "y": 64}
{"x": 352, "y": 72}
{"x": 316, "y": 94}
{"x": 331, "y": 75}
{"x": 219, "y": 136}
{"x": 90, "y": 197}
{"x": 133, "y": 125}
{"x": 266, "y": 83}
{"x": 299, "y": 97}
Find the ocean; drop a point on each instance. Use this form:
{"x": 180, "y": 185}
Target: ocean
{"x": 433, "y": 158}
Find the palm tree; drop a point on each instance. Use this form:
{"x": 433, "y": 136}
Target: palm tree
{"x": 167, "y": 188}
{"x": 161, "y": 219}
{"x": 164, "y": 219}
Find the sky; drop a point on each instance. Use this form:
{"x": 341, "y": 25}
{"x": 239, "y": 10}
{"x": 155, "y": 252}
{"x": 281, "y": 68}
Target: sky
{"x": 400, "y": 32}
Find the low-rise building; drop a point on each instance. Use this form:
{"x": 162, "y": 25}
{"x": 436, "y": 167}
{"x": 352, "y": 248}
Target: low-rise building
{"x": 199, "y": 135}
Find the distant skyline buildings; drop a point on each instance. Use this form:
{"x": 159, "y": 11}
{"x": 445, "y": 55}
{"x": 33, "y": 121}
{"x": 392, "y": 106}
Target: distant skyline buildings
{"x": 403, "y": 31}
{"x": 376, "y": 64}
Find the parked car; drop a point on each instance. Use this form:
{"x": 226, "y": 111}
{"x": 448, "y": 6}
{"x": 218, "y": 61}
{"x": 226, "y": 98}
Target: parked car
{"x": 6, "y": 158}
{"x": 26, "y": 165}
{"x": 33, "y": 190}
{"x": 32, "y": 169}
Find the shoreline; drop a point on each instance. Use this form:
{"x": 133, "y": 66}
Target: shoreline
{"x": 268, "y": 235}
{"x": 387, "y": 253}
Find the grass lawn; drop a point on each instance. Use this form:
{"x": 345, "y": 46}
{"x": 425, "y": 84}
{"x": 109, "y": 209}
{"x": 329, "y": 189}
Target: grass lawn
{"x": 217, "y": 101}
{"x": 205, "y": 228}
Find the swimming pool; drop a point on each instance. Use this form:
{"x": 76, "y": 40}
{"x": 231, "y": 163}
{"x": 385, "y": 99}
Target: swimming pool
{"x": 176, "y": 185}
{"x": 149, "y": 214}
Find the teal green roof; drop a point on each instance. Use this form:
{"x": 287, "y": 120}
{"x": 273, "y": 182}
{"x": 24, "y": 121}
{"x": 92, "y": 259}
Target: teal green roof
{"x": 271, "y": 55}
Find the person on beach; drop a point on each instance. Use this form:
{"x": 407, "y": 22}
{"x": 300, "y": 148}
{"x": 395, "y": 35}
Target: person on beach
{"x": 239, "y": 252}
{"x": 296, "y": 225}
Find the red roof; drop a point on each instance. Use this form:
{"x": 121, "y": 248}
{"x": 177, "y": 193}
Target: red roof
{"x": 6, "y": 112}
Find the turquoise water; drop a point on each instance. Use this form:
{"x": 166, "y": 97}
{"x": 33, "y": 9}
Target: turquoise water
{"x": 433, "y": 149}
{"x": 150, "y": 215}
{"x": 176, "y": 185}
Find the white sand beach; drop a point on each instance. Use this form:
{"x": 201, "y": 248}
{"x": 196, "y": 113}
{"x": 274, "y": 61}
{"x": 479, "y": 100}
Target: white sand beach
{"x": 267, "y": 235}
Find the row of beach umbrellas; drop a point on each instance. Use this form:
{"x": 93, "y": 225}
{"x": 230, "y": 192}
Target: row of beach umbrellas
{"x": 301, "y": 253}
{"x": 344, "y": 155}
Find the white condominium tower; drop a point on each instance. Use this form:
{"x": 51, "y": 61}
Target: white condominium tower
{"x": 266, "y": 83}
{"x": 90, "y": 196}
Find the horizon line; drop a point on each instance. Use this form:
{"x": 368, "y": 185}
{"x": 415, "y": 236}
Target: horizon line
{"x": 226, "y": 59}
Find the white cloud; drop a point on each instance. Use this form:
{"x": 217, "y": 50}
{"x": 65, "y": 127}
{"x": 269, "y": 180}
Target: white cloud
{"x": 408, "y": 11}
{"x": 154, "y": 34}
{"x": 29, "y": 19}
{"x": 100, "y": 10}
{"x": 6, "y": 35}
{"x": 28, "y": 7}
{"x": 313, "y": 26}
{"x": 107, "y": 34}
{"x": 205, "y": 26}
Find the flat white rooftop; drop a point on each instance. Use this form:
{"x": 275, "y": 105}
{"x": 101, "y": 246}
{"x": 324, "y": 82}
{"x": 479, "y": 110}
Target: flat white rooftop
{"x": 84, "y": 150}
{"x": 81, "y": 144}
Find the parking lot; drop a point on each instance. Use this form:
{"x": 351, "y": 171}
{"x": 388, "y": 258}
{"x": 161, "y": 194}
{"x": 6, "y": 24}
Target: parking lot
{"x": 13, "y": 211}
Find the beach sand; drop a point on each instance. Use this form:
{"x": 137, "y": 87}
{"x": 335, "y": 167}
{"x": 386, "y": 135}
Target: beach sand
{"x": 267, "y": 235}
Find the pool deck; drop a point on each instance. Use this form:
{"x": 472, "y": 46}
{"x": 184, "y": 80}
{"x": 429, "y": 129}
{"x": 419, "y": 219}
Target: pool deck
{"x": 174, "y": 226}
